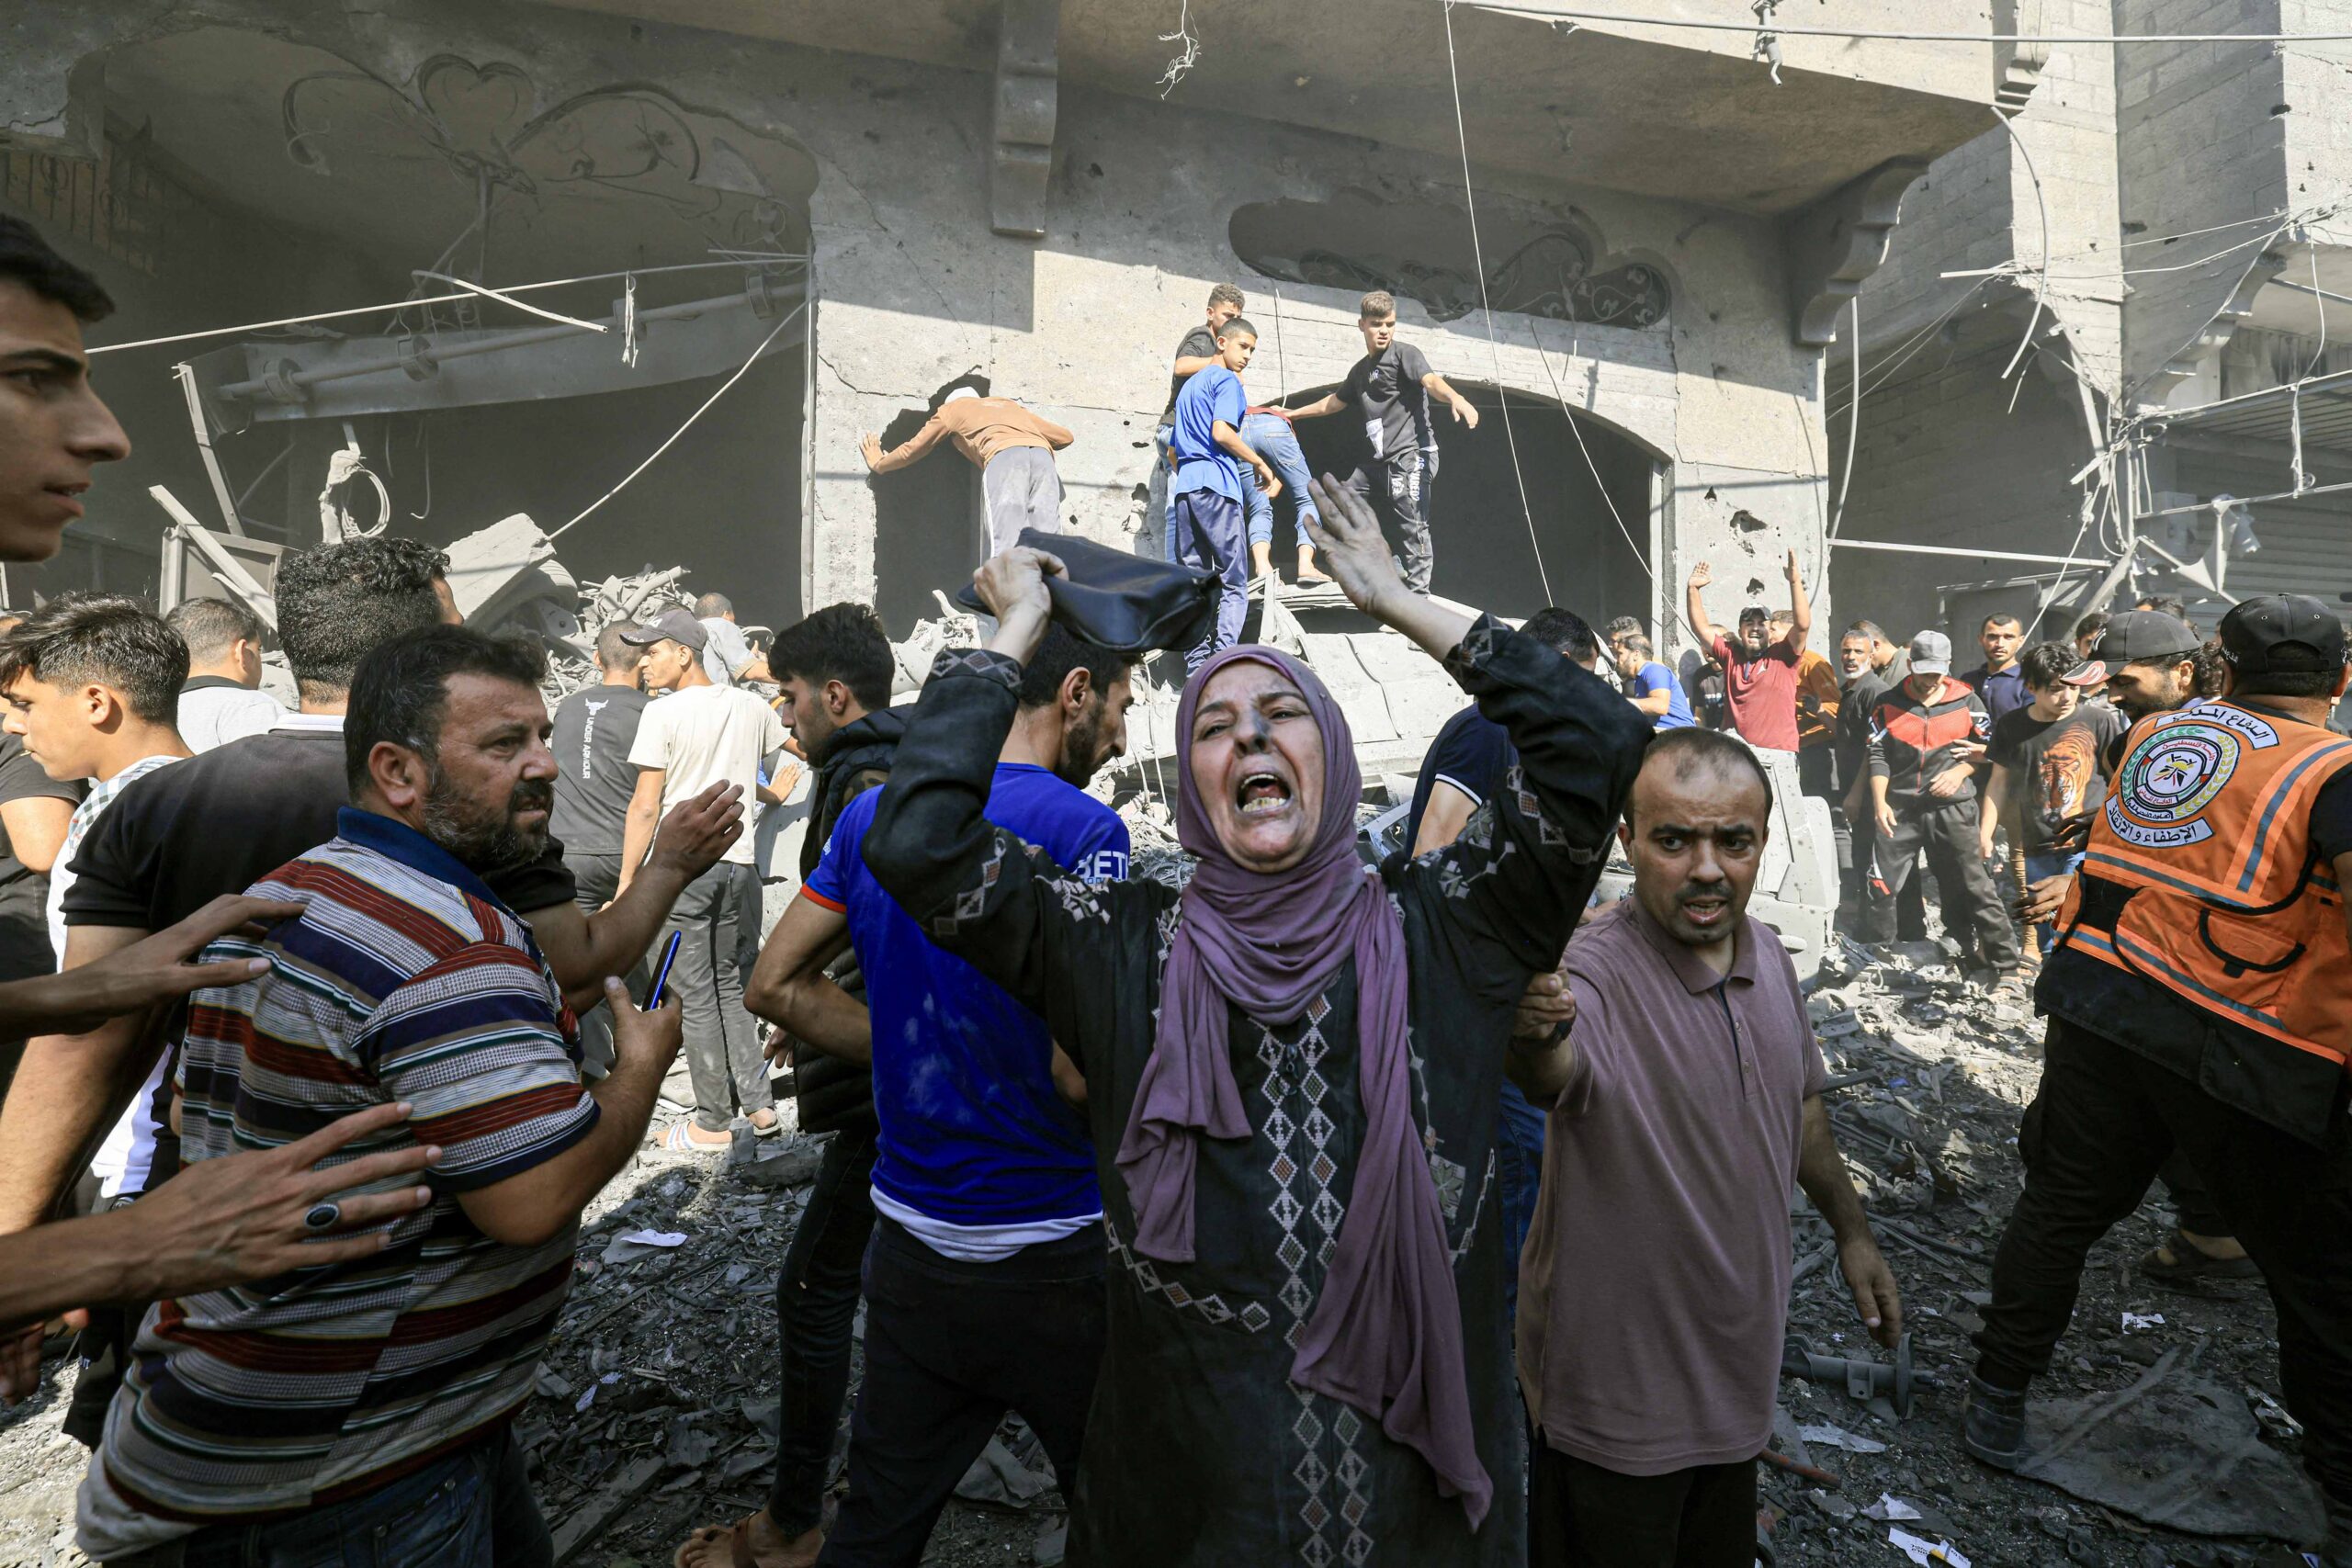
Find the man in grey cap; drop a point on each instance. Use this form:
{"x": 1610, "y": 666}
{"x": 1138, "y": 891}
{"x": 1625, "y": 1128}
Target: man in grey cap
{"x": 2197, "y": 1002}
{"x": 696, "y": 735}
{"x": 1926, "y": 747}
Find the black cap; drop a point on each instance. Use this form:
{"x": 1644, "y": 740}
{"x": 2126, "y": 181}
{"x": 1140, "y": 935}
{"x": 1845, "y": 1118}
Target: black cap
{"x": 2134, "y": 637}
{"x": 2282, "y": 634}
{"x": 675, "y": 625}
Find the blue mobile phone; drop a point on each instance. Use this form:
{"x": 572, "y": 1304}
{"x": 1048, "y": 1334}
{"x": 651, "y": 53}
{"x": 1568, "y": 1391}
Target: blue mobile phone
{"x": 662, "y": 976}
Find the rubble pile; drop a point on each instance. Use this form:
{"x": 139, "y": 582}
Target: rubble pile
{"x": 657, "y": 1408}
{"x": 1928, "y": 1076}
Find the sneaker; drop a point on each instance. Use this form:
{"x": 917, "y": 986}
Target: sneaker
{"x": 1992, "y": 1423}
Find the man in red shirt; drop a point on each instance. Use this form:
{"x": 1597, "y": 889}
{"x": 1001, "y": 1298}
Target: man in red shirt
{"x": 1760, "y": 671}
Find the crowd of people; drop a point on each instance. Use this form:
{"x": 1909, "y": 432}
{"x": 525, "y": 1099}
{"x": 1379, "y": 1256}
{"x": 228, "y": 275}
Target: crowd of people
{"x": 1265, "y": 1186}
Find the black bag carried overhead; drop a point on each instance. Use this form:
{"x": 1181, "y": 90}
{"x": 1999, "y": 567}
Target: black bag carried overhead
{"x": 1126, "y": 603}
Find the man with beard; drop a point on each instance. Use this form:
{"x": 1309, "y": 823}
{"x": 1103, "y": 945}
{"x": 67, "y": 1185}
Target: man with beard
{"x": 367, "y": 1404}
{"x": 984, "y": 1281}
{"x": 1686, "y": 1100}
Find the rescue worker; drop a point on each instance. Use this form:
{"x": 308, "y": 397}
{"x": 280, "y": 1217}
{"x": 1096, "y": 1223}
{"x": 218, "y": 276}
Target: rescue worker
{"x": 2197, "y": 996}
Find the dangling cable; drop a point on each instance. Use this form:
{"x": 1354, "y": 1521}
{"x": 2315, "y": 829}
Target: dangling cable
{"x": 1478, "y": 257}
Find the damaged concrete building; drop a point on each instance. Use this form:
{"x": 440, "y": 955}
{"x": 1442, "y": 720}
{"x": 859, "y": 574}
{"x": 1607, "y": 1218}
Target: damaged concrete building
{"x": 2111, "y": 353}
{"x": 898, "y": 194}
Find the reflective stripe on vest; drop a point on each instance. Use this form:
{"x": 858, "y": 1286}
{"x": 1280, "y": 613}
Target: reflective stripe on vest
{"x": 2201, "y": 876}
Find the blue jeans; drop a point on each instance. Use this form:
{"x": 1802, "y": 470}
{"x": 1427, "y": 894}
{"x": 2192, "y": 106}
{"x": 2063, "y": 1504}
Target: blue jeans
{"x": 1519, "y": 1170}
{"x": 469, "y": 1510}
{"x": 1272, "y": 439}
{"x": 1208, "y": 532}
{"x": 2039, "y": 866}
{"x": 1155, "y": 506}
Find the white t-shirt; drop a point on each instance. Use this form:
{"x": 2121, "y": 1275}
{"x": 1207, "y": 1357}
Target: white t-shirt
{"x": 707, "y": 735}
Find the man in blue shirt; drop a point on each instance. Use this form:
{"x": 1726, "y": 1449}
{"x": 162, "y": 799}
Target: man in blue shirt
{"x": 1205, "y": 521}
{"x": 1649, "y": 685}
{"x": 984, "y": 1278}
{"x": 2000, "y": 679}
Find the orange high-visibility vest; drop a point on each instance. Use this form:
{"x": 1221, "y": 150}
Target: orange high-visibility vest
{"x": 2201, "y": 875}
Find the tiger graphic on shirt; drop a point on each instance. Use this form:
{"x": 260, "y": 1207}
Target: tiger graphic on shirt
{"x": 2068, "y": 768}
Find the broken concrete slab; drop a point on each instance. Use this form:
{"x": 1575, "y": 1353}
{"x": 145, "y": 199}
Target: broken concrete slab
{"x": 2175, "y": 1448}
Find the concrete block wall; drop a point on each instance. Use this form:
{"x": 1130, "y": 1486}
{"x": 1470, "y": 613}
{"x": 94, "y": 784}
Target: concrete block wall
{"x": 1975, "y": 208}
{"x": 2200, "y": 146}
{"x": 1945, "y": 461}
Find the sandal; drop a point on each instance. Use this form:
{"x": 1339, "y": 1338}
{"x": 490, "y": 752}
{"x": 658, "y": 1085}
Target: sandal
{"x": 675, "y": 1142}
{"x": 2190, "y": 1261}
{"x": 774, "y": 1126}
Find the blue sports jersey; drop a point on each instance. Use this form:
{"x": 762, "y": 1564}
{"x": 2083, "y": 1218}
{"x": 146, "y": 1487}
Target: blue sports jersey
{"x": 1211, "y": 395}
{"x": 973, "y": 1132}
{"x": 1655, "y": 678}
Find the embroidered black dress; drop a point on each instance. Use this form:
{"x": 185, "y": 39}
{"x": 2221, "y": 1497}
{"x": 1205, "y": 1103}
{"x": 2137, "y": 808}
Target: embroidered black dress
{"x": 1200, "y": 1449}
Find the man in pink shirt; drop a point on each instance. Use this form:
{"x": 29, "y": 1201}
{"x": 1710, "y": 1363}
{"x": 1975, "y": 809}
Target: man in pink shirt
{"x": 1760, "y": 670}
{"x": 1686, "y": 1101}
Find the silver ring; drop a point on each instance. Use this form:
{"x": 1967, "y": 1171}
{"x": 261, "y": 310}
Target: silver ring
{"x": 323, "y": 1216}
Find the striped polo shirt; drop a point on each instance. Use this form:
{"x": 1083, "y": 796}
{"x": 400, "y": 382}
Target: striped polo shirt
{"x": 405, "y": 978}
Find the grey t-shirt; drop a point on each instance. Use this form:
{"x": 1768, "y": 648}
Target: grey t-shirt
{"x": 1682, "y": 1126}
{"x": 1387, "y": 389}
{"x": 595, "y": 727}
{"x": 1199, "y": 344}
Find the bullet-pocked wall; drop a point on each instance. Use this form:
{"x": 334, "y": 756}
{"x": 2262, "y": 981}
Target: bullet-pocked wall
{"x": 913, "y": 290}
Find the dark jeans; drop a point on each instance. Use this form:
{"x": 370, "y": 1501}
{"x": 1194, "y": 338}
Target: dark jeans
{"x": 2104, "y": 1123}
{"x": 1519, "y": 1162}
{"x": 1398, "y": 490}
{"x": 949, "y": 1348}
{"x": 596, "y": 881}
{"x": 1211, "y": 533}
{"x": 1580, "y": 1515}
{"x": 469, "y": 1510}
{"x": 723, "y": 1056}
{"x": 1975, "y": 915}
{"x": 815, "y": 1302}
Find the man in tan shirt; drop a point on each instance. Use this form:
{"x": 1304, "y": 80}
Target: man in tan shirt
{"x": 1014, "y": 450}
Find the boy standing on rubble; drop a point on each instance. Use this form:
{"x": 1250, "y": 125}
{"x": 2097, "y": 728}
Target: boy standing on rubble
{"x": 1206, "y": 523}
{"x": 1391, "y": 387}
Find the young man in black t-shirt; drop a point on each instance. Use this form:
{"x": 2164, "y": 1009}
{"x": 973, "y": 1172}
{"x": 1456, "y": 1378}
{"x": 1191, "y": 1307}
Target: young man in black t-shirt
{"x": 2049, "y": 768}
{"x": 1390, "y": 387}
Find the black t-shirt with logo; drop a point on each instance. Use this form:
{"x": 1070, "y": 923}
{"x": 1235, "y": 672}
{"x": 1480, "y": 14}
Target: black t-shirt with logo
{"x": 2057, "y": 773}
{"x": 1386, "y": 387}
{"x": 593, "y": 729}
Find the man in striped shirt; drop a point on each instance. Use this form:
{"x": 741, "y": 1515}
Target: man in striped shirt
{"x": 359, "y": 1411}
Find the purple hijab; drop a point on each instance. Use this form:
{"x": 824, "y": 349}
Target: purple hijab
{"x": 1385, "y": 1337}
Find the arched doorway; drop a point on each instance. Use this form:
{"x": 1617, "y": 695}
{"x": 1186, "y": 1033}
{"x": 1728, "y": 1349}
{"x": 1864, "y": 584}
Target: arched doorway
{"x": 1497, "y": 554}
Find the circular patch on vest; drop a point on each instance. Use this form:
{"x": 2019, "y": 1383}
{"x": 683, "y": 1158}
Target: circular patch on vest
{"x": 2169, "y": 779}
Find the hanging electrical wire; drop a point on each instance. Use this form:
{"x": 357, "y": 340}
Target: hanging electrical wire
{"x": 752, "y": 258}
{"x": 1549, "y": 14}
{"x": 1854, "y": 422}
{"x": 1493, "y": 346}
{"x": 773, "y": 333}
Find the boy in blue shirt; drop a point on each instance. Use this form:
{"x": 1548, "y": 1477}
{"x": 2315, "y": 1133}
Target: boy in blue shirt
{"x": 984, "y": 1278}
{"x": 1206, "y": 520}
{"x": 1649, "y": 685}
